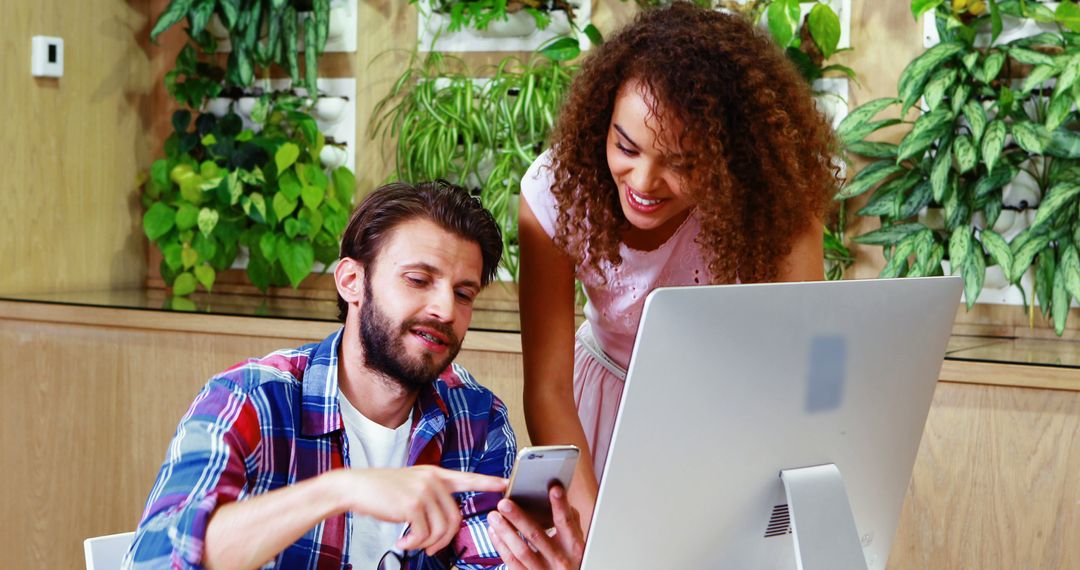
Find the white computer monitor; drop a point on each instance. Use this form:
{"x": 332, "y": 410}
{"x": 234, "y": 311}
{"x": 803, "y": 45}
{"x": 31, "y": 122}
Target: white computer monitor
{"x": 729, "y": 386}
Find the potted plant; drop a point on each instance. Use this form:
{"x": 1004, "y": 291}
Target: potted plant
{"x": 999, "y": 135}
{"x": 222, "y": 189}
{"x": 261, "y": 33}
{"x": 256, "y": 186}
{"x": 495, "y": 18}
{"x": 481, "y": 129}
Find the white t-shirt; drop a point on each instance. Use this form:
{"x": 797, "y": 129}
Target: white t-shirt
{"x": 373, "y": 446}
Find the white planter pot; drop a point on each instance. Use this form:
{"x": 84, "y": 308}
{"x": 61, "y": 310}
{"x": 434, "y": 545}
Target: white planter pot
{"x": 1023, "y": 190}
{"x": 516, "y": 25}
{"x": 332, "y": 156}
{"x": 244, "y": 106}
{"x": 328, "y": 110}
{"x": 1011, "y": 29}
{"x": 219, "y": 106}
{"x": 340, "y": 19}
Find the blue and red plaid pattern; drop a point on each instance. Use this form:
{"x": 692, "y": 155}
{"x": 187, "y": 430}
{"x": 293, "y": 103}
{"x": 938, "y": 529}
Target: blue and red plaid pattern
{"x": 271, "y": 422}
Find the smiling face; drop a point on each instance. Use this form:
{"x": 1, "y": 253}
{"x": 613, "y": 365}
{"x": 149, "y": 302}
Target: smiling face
{"x": 645, "y": 169}
{"x": 418, "y": 302}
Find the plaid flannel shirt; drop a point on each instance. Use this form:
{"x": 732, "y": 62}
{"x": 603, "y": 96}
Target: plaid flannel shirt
{"x": 271, "y": 422}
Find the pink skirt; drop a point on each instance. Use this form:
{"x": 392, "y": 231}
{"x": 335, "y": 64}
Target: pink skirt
{"x": 598, "y": 388}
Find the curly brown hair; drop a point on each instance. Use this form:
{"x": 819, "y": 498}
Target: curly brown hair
{"x": 759, "y": 163}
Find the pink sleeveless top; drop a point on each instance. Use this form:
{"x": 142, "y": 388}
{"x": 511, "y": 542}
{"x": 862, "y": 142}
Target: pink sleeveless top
{"x": 614, "y": 309}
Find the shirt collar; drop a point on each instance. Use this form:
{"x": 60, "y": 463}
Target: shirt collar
{"x": 320, "y": 411}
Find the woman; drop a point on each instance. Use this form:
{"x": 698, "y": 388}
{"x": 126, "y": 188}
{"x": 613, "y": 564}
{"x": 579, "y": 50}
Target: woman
{"x": 689, "y": 151}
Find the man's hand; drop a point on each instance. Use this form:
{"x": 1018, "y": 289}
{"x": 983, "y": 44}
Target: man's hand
{"x": 537, "y": 550}
{"x": 420, "y": 496}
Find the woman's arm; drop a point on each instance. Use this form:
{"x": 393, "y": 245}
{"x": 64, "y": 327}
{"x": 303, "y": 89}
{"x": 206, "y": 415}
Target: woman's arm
{"x": 805, "y": 262}
{"x": 546, "y": 302}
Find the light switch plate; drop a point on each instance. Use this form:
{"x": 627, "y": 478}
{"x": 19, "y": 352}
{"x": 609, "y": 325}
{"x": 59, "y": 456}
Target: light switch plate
{"x": 47, "y": 56}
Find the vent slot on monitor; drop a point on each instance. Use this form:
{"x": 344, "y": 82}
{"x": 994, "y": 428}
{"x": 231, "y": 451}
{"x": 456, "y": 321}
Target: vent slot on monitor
{"x": 779, "y": 522}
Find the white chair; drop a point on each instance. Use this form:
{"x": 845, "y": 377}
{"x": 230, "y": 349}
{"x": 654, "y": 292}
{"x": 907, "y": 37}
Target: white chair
{"x": 106, "y": 552}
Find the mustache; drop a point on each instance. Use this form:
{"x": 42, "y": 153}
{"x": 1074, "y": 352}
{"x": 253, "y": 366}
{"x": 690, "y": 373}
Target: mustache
{"x": 442, "y": 328}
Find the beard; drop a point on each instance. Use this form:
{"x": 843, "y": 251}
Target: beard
{"x": 384, "y": 346}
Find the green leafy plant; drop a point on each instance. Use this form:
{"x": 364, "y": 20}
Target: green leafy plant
{"x": 809, "y": 42}
{"x": 993, "y": 118}
{"x": 261, "y": 33}
{"x": 444, "y": 122}
{"x": 478, "y": 14}
{"x": 222, "y": 186}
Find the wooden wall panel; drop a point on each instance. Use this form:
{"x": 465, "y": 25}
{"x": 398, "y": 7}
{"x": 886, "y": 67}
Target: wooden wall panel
{"x": 89, "y": 411}
{"x": 71, "y": 147}
{"x": 996, "y": 484}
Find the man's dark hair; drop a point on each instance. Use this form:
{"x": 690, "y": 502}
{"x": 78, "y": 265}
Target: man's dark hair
{"x": 447, "y": 205}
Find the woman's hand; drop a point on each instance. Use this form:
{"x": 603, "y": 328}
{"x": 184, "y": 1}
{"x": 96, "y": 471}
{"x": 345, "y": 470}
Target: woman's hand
{"x": 523, "y": 544}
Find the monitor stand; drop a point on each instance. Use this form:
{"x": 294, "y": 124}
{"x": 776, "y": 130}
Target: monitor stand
{"x": 822, "y": 525}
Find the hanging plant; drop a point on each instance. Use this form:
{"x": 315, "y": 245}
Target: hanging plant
{"x": 444, "y": 122}
{"x": 999, "y": 136}
{"x": 261, "y": 33}
{"x": 222, "y": 186}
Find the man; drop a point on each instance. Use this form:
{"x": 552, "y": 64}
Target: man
{"x": 370, "y": 449}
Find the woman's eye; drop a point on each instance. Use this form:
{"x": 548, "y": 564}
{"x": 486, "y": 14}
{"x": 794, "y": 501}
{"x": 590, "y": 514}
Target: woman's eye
{"x": 626, "y": 151}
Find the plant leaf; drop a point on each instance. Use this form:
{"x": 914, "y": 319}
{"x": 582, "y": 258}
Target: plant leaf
{"x": 939, "y": 175}
{"x": 1060, "y": 195}
{"x": 289, "y": 185}
{"x": 916, "y": 74}
{"x": 1029, "y": 136}
{"x": 992, "y": 143}
{"x": 283, "y": 206}
{"x": 966, "y": 155}
{"x": 869, "y": 177}
{"x": 285, "y": 156}
{"x": 998, "y": 249}
{"x": 976, "y": 116}
{"x": 1068, "y": 13}
{"x": 186, "y": 216}
{"x": 205, "y": 276}
{"x": 184, "y": 284}
{"x": 782, "y": 17}
{"x": 824, "y": 29}
{"x": 959, "y": 248}
{"x": 1070, "y": 266}
{"x": 927, "y": 129}
{"x": 919, "y": 7}
{"x": 158, "y": 220}
{"x": 1060, "y": 106}
{"x": 562, "y": 49}
{"x": 974, "y": 273}
{"x": 174, "y": 12}
{"x": 296, "y": 258}
{"x": 1064, "y": 144}
{"x": 992, "y": 66}
{"x": 208, "y": 219}
{"x": 939, "y": 83}
{"x": 312, "y": 196}
{"x": 1001, "y": 176}
{"x": 1031, "y": 57}
{"x": 872, "y": 149}
{"x": 888, "y": 235}
{"x": 594, "y": 35}
{"x": 1025, "y": 247}
{"x": 1037, "y": 77}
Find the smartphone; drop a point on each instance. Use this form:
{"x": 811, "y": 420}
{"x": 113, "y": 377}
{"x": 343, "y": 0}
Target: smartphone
{"x": 535, "y": 471}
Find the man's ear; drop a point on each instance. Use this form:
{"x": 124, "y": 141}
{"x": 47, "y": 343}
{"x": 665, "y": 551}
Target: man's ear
{"x": 349, "y": 279}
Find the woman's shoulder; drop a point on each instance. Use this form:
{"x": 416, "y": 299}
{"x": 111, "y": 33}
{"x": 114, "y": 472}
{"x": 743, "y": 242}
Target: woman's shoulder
{"x": 536, "y": 190}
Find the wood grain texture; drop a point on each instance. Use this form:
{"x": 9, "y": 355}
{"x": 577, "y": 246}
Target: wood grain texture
{"x": 996, "y": 483}
{"x": 72, "y": 147}
{"x": 90, "y": 408}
